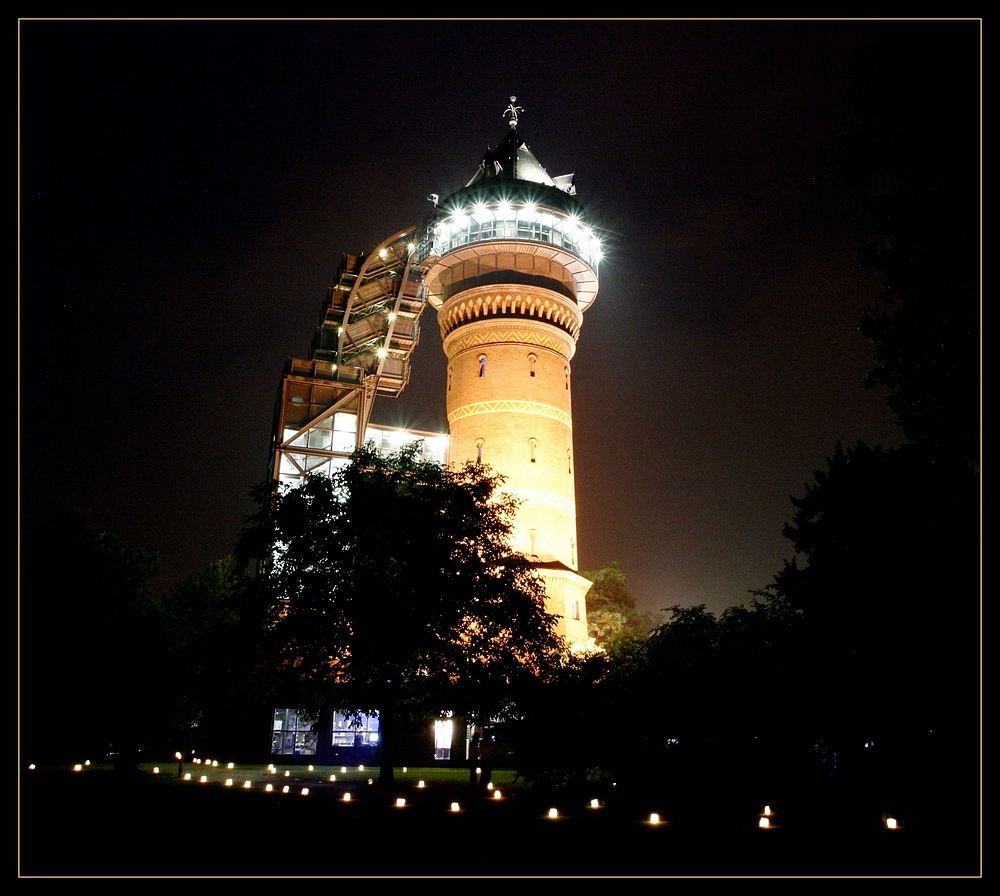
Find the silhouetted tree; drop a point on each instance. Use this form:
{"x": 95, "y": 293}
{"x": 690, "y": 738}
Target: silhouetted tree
{"x": 915, "y": 145}
{"x": 211, "y": 640}
{"x": 91, "y": 645}
{"x": 393, "y": 582}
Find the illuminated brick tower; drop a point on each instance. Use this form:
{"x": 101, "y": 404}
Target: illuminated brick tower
{"x": 511, "y": 267}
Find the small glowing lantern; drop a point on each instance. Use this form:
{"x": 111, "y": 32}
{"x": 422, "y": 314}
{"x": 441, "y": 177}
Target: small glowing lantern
{"x": 305, "y": 791}
{"x": 215, "y": 763}
{"x": 404, "y": 769}
{"x": 87, "y": 762}
{"x": 361, "y": 768}
{"x": 496, "y": 794}
{"x": 156, "y": 769}
{"x": 479, "y": 771}
{"x": 654, "y": 818}
{"x": 187, "y": 776}
{"x": 177, "y": 755}
{"x": 767, "y": 810}
{"x": 31, "y": 766}
{"x": 764, "y": 822}
{"x": 343, "y": 769}
{"x": 553, "y": 813}
{"x": 268, "y": 788}
{"x": 489, "y": 786}
{"x": 594, "y": 804}
{"x": 78, "y": 768}
{"x": 890, "y": 823}
{"x": 286, "y": 773}
{"x": 230, "y": 765}
{"x": 420, "y": 783}
{"x": 347, "y": 797}
{"x": 246, "y": 785}
{"x": 400, "y": 802}
{"x": 333, "y": 777}
{"x": 310, "y": 768}
{"x": 371, "y": 781}
{"x": 455, "y": 807}
{"x": 229, "y": 782}
{"x": 284, "y": 789}
{"x": 203, "y": 779}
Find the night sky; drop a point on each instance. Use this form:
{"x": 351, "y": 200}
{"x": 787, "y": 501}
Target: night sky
{"x": 187, "y": 189}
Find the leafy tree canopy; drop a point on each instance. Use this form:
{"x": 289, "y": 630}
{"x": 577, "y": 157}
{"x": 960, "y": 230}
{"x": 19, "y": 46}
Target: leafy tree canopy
{"x": 91, "y": 637}
{"x": 612, "y": 613}
{"x": 394, "y": 581}
{"x": 915, "y": 143}
{"x": 211, "y": 634}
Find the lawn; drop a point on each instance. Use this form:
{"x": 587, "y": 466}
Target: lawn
{"x": 96, "y": 822}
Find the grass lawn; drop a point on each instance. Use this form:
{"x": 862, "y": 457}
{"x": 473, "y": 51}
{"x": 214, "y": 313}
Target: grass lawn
{"x": 97, "y": 822}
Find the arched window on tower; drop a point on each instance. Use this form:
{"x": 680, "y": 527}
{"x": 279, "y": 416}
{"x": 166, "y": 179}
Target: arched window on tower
{"x": 569, "y": 461}
{"x": 531, "y": 363}
{"x": 533, "y": 445}
{"x": 482, "y": 365}
{"x": 479, "y": 450}
{"x": 533, "y": 535}
{"x": 449, "y": 377}
{"x": 567, "y": 379}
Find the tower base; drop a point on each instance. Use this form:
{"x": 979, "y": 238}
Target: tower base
{"x": 566, "y": 598}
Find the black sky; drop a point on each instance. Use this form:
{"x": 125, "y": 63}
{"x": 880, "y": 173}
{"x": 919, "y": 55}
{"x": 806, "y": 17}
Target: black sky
{"x": 187, "y": 189}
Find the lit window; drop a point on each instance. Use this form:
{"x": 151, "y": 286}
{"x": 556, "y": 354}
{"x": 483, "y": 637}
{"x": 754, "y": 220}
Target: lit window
{"x": 532, "y": 444}
{"x": 292, "y": 733}
{"x": 531, "y": 364}
{"x": 574, "y": 608}
{"x": 482, "y": 365}
{"x": 479, "y": 450}
{"x": 351, "y": 731}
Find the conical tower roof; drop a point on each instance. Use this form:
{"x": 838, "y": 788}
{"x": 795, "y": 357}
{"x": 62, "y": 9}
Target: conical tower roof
{"x": 513, "y": 160}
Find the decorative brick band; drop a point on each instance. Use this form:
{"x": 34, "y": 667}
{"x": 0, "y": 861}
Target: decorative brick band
{"x": 549, "y": 499}
{"x": 480, "y": 304}
{"x": 510, "y": 405}
{"x": 491, "y": 332}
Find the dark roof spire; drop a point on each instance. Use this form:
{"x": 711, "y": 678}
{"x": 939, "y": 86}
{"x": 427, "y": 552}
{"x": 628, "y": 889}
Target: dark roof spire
{"x": 513, "y": 160}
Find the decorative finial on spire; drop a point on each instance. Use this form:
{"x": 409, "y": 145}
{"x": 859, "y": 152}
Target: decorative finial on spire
{"x": 512, "y": 111}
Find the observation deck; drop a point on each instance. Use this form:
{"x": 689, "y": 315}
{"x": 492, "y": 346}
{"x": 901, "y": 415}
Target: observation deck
{"x": 513, "y": 207}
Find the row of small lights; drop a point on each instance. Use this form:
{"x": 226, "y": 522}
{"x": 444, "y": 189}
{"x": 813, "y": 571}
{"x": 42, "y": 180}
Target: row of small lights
{"x": 764, "y": 822}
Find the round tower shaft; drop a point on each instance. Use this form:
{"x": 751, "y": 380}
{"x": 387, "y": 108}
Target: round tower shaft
{"x": 511, "y": 268}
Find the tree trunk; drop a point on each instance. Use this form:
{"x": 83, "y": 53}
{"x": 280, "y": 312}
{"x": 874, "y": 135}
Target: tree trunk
{"x": 387, "y": 740}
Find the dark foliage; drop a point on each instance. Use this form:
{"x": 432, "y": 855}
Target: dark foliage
{"x": 392, "y": 587}
{"x": 91, "y": 645}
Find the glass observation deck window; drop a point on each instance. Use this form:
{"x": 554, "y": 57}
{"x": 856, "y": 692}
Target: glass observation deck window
{"x": 507, "y": 221}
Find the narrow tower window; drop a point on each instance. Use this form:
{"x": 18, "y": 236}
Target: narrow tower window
{"x": 533, "y": 535}
{"x": 479, "y": 450}
{"x": 569, "y": 461}
{"x": 531, "y": 364}
{"x": 482, "y": 365}
{"x": 532, "y": 445}
{"x": 567, "y": 379}
{"x": 449, "y": 378}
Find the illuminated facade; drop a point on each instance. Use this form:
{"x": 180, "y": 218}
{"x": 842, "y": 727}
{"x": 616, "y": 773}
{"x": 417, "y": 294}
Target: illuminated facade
{"x": 510, "y": 266}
